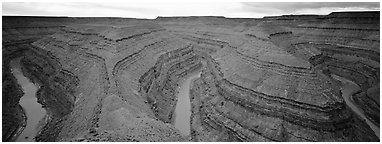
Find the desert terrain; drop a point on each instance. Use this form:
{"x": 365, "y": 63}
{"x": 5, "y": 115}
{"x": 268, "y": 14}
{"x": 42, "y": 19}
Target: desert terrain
{"x": 266, "y": 79}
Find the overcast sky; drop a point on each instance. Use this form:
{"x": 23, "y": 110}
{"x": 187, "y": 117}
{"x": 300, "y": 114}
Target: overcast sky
{"x": 153, "y": 9}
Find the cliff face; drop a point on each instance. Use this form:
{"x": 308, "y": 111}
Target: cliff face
{"x": 345, "y": 44}
{"x": 18, "y": 34}
{"x": 13, "y": 114}
{"x": 160, "y": 83}
{"x": 110, "y": 79}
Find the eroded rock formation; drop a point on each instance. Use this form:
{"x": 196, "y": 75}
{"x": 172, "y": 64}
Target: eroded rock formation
{"x": 114, "y": 79}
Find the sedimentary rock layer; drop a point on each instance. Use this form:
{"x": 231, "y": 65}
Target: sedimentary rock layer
{"x": 114, "y": 79}
{"x": 348, "y": 46}
{"x": 18, "y": 34}
{"x": 160, "y": 83}
{"x": 221, "y": 110}
{"x": 13, "y": 114}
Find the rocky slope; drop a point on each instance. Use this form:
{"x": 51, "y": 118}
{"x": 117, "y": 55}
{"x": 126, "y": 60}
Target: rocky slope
{"x": 18, "y": 34}
{"x": 113, "y": 79}
{"x": 345, "y": 44}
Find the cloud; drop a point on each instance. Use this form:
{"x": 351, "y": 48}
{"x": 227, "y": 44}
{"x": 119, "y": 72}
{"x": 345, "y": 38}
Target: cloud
{"x": 280, "y": 8}
{"x": 75, "y": 9}
{"x": 154, "y": 9}
{"x": 136, "y": 9}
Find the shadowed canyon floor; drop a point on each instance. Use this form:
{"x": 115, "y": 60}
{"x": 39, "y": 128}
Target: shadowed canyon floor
{"x": 347, "y": 90}
{"x": 123, "y": 79}
{"x": 32, "y": 108}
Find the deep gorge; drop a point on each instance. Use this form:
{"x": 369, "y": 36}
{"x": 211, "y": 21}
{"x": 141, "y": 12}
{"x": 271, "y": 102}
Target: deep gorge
{"x": 268, "y": 79}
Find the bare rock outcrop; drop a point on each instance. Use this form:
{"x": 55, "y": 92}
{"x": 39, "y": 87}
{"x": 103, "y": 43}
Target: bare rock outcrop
{"x": 115, "y": 79}
{"x": 345, "y": 44}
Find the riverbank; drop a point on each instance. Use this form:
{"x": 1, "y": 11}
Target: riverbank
{"x": 183, "y": 107}
{"x": 348, "y": 88}
{"x": 34, "y": 111}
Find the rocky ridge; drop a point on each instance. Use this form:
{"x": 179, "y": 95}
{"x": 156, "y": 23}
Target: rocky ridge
{"x": 262, "y": 79}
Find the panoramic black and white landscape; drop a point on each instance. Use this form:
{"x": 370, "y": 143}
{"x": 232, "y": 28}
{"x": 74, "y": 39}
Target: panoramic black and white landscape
{"x": 191, "y": 72}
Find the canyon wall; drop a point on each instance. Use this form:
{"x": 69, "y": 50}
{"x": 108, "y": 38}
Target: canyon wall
{"x": 344, "y": 44}
{"x": 114, "y": 79}
{"x": 18, "y": 34}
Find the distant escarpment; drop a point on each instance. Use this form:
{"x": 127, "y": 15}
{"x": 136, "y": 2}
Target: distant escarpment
{"x": 270, "y": 79}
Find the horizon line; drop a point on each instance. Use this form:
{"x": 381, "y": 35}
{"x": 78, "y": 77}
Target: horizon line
{"x": 62, "y": 16}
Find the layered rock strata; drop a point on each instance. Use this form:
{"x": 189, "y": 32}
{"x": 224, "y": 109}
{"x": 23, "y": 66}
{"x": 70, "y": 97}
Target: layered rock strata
{"x": 160, "y": 83}
{"x": 18, "y": 34}
{"x": 73, "y": 66}
{"x": 13, "y": 115}
{"x": 114, "y": 79}
{"x": 225, "y": 111}
{"x": 345, "y": 44}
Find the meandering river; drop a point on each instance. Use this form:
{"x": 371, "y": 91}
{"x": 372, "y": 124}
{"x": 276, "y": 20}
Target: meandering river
{"x": 348, "y": 88}
{"x": 32, "y": 108}
{"x": 183, "y": 106}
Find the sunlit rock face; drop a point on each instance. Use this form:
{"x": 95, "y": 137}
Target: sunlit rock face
{"x": 114, "y": 79}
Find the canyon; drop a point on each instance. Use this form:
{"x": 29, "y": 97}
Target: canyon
{"x": 245, "y": 79}
{"x": 34, "y": 111}
{"x": 183, "y": 106}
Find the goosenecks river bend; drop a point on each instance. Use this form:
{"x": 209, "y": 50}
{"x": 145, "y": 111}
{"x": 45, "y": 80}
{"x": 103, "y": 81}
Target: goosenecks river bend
{"x": 35, "y": 112}
{"x": 183, "y": 105}
{"x": 28, "y": 101}
{"x": 348, "y": 88}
